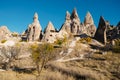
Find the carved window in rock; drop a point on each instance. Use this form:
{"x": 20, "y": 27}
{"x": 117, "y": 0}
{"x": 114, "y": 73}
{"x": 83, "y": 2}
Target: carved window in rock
{"x": 47, "y": 39}
{"x": 52, "y": 30}
{"x": 33, "y": 32}
{"x": 51, "y": 35}
{"x": 33, "y": 28}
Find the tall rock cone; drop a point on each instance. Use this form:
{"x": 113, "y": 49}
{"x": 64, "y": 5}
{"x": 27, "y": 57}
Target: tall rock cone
{"x": 100, "y": 34}
{"x": 75, "y": 25}
{"x": 34, "y": 30}
{"x": 66, "y": 27}
{"x": 90, "y": 27}
{"x": 50, "y": 27}
{"x": 49, "y": 33}
{"x": 74, "y": 15}
{"x": 88, "y": 19}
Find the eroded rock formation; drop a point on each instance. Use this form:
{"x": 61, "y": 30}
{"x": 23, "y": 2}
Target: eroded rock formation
{"x": 34, "y": 30}
{"x": 50, "y": 33}
{"x": 66, "y": 27}
{"x": 100, "y": 34}
{"x": 89, "y": 25}
{"x": 75, "y": 25}
{"x": 4, "y": 33}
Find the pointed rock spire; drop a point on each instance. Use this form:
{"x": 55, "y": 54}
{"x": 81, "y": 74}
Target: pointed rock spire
{"x": 74, "y": 13}
{"x": 36, "y": 15}
{"x": 88, "y": 19}
{"x": 34, "y": 30}
{"x": 100, "y": 34}
{"x": 35, "y": 18}
{"x": 75, "y": 25}
{"x": 89, "y": 26}
{"x": 67, "y": 18}
{"x": 102, "y": 22}
{"x": 49, "y": 27}
{"x": 50, "y": 34}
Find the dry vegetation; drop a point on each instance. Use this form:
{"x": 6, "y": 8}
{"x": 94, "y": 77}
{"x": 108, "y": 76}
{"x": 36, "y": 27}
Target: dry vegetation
{"x": 97, "y": 67}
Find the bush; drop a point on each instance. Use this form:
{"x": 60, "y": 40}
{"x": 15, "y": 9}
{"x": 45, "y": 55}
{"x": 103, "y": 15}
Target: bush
{"x": 116, "y": 47}
{"x": 15, "y": 35}
{"x": 87, "y": 39}
{"x": 41, "y": 54}
{"x": 3, "y": 41}
{"x": 61, "y": 41}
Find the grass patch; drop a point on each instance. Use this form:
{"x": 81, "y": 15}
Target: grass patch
{"x": 3, "y": 41}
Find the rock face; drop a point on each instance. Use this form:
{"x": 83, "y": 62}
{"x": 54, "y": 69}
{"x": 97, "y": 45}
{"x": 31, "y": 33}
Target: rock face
{"x": 34, "y": 30}
{"x": 88, "y": 19}
{"x": 100, "y": 34}
{"x": 75, "y": 25}
{"x": 4, "y": 33}
{"x": 115, "y": 33}
{"x": 90, "y": 27}
{"x": 106, "y": 32}
{"x": 118, "y": 28}
{"x": 50, "y": 33}
{"x": 66, "y": 27}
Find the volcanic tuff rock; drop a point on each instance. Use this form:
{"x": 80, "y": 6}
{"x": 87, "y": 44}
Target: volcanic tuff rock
{"x": 66, "y": 27}
{"x": 75, "y": 25}
{"x": 72, "y": 24}
{"x": 50, "y": 33}
{"x": 100, "y": 34}
{"x": 106, "y": 32}
{"x": 34, "y": 30}
{"x": 89, "y": 26}
{"x": 4, "y": 33}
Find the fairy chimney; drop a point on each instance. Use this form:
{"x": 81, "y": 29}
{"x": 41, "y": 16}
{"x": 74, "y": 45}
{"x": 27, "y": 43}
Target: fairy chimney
{"x": 89, "y": 25}
{"x": 49, "y": 33}
{"x": 34, "y": 30}
{"x": 75, "y": 25}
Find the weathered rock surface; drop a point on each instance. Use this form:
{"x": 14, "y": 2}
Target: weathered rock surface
{"x": 4, "y": 33}
{"x": 66, "y": 27}
{"x": 50, "y": 33}
{"x": 72, "y": 24}
{"x": 89, "y": 26}
{"x": 115, "y": 33}
{"x": 75, "y": 25}
{"x": 34, "y": 30}
{"x": 88, "y": 19}
{"x": 106, "y": 32}
{"x": 100, "y": 34}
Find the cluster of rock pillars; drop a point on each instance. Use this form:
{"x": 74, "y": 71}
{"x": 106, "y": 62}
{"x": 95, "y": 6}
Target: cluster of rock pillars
{"x": 74, "y": 26}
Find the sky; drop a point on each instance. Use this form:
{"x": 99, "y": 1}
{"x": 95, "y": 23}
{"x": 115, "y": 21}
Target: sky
{"x": 18, "y": 14}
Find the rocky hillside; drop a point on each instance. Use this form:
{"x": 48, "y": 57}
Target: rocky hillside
{"x": 78, "y": 51}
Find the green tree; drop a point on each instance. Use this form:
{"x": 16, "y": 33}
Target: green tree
{"x": 62, "y": 41}
{"x": 41, "y": 54}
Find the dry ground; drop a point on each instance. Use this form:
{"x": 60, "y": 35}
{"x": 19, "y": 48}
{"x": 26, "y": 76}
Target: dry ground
{"x": 98, "y": 67}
